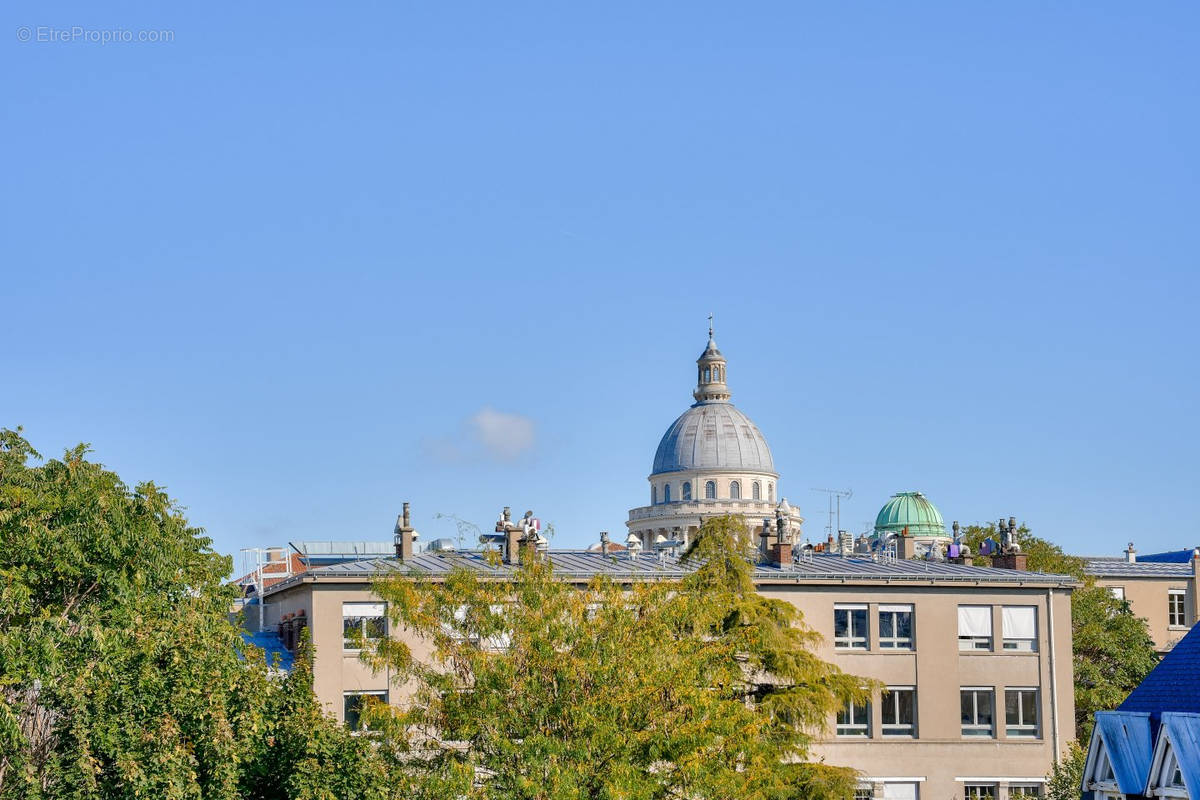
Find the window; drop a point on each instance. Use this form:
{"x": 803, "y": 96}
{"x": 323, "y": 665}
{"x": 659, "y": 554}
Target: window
{"x": 354, "y": 703}
{"x": 850, "y": 627}
{"x": 653, "y": 495}
{"x": 1019, "y": 626}
{"x": 666, "y": 493}
{"x": 899, "y": 791}
{"x": 898, "y": 711}
{"x": 707, "y": 375}
{"x": 1118, "y": 592}
{"x": 1175, "y": 614}
{"x": 735, "y": 490}
{"x": 974, "y": 627}
{"x": 710, "y": 490}
{"x": 1024, "y": 791}
{"x": 896, "y": 627}
{"x": 853, "y": 720}
{"x": 756, "y": 490}
{"x": 1021, "y": 713}
{"x": 770, "y": 493}
{"x": 979, "y": 791}
{"x": 864, "y": 791}
{"x": 976, "y": 704}
{"x": 687, "y": 490}
{"x": 362, "y": 619}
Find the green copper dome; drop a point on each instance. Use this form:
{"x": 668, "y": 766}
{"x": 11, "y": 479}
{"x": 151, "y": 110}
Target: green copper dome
{"x": 910, "y": 510}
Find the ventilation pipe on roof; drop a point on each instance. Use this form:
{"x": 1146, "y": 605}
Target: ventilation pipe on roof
{"x": 1131, "y": 554}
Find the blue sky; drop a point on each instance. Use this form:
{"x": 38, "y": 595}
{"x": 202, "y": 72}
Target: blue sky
{"x": 307, "y": 261}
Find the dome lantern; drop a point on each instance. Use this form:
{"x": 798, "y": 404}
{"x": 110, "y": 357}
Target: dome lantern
{"x": 710, "y": 373}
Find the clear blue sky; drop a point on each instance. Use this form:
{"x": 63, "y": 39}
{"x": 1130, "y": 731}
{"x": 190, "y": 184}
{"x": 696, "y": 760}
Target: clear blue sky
{"x": 307, "y": 261}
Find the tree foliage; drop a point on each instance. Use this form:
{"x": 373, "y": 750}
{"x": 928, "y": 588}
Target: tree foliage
{"x": 121, "y": 675}
{"x": 1112, "y": 650}
{"x": 537, "y": 687}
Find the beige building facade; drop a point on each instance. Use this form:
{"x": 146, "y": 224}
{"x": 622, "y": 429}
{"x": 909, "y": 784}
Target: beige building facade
{"x": 945, "y": 640}
{"x": 1162, "y": 593}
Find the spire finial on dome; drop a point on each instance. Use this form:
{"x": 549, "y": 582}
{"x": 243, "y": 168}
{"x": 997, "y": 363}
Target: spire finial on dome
{"x": 710, "y": 328}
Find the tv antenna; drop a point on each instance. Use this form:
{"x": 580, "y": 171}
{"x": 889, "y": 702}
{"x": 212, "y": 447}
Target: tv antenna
{"x": 468, "y": 530}
{"x": 835, "y": 499}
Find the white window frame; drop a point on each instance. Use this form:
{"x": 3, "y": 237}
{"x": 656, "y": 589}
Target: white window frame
{"x": 1117, "y": 592}
{"x": 1025, "y": 791}
{"x": 380, "y": 693}
{"x": 1176, "y": 608}
{"x": 1015, "y": 636}
{"x": 992, "y": 791}
{"x": 368, "y": 610}
{"x": 1024, "y": 729}
{"x": 855, "y": 639}
{"x": 974, "y": 730}
{"x": 895, "y": 642}
{"x": 974, "y": 640}
{"x": 889, "y": 700}
{"x": 853, "y": 729}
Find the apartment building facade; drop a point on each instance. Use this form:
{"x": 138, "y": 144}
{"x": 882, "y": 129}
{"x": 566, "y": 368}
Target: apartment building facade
{"x": 976, "y": 661}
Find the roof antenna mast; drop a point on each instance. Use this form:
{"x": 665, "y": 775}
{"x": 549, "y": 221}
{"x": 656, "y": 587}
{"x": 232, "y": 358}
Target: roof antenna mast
{"x": 830, "y": 530}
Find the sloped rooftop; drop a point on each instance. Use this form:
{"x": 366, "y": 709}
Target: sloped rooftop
{"x": 1118, "y": 567}
{"x": 582, "y": 564}
{"x": 1173, "y": 685}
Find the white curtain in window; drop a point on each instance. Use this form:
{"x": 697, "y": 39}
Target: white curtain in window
{"x": 362, "y": 609}
{"x": 899, "y": 791}
{"x": 1020, "y": 622}
{"x": 974, "y": 620}
{"x": 895, "y": 608}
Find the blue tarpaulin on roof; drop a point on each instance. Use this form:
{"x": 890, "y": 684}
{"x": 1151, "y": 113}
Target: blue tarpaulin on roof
{"x": 1128, "y": 742}
{"x": 270, "y": 643}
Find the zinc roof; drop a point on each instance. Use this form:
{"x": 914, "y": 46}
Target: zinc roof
{"x": 581, "y": 564}
{"x": 1118, "y": 567}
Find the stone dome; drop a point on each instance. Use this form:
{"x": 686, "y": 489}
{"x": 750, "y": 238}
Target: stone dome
{"x": 910, "y": 510}
{"x": 713, "y": 435}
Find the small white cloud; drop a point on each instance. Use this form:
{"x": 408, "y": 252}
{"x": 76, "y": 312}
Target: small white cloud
{"x": 486, "y": 434}
{"x": 503, "y": 435}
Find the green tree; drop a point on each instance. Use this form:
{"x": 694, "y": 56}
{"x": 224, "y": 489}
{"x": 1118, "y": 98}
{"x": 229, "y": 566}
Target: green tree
{"x": 1065, "y": 779}
{"x": 121, "y": 675}
{"x": 1112, "y": 650}
{"x": 535, "y": 687}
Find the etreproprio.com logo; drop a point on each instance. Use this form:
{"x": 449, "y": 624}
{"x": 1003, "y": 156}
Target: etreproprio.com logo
{"x": 50, "y": 34}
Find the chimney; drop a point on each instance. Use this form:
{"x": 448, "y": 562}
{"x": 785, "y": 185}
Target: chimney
{"x": 603, "y": 543}
{"x": 906, "y": 546}
{"x": 781, "y": 554}
{"x": 405, "y": 536}
{"x": 1131, "y": 554}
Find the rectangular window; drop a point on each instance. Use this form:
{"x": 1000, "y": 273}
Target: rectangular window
{"x": 353, "y": 704}
{"x": 1021, "y": 713}
{"x": 1024, "y": 791}
{"x": 863, "y": 791}
{"x": 896, "y": 627}
{"x": 976, "y": 703}
{"x": 899, "y": 711}
{"x": 900, "y": 791}
{"x": 979, "y": 791}
{"x": 850, "y": 627}
{"x": 854, "y": 720}
{"x": 364, "y": 620}
{"x": 1019, "y": 627}
{"x": 1118, "y": 592}
{"x": 974, "y": 627}
{"x": 1175, "y": 613}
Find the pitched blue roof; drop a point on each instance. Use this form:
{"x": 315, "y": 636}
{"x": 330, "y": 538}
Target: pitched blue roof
{"x": 1174, "y": 685}
{"x": 1130, "y": 746}
{"x": 1184, "y": 732}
